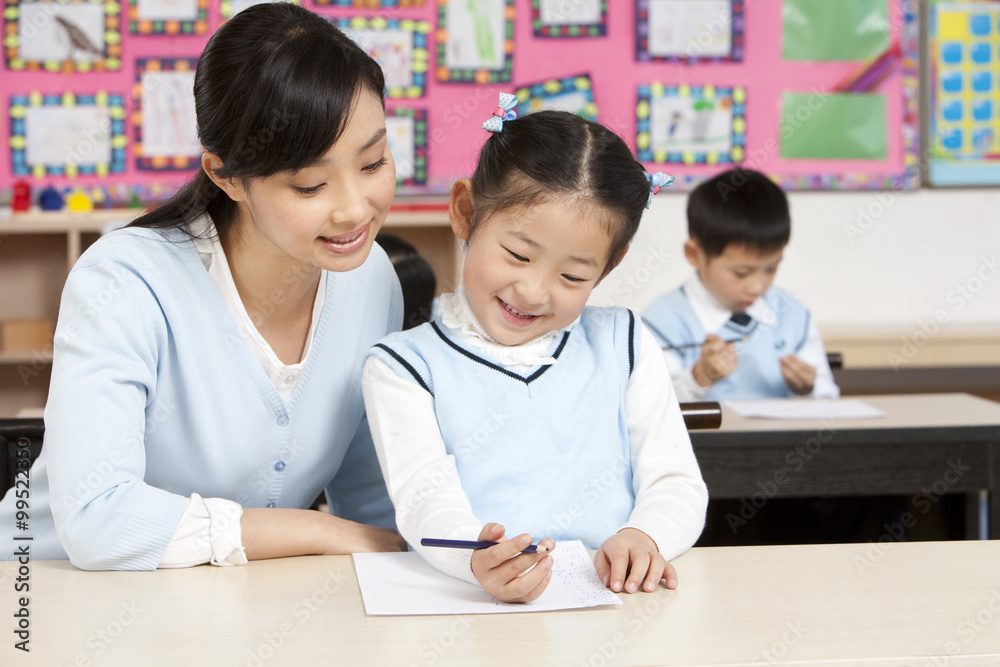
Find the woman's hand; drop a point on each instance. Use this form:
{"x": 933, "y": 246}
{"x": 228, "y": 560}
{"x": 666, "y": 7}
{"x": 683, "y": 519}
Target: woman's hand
{"x": 633, "y": 554}
{"x": 278, "y": 532}
{"x": 506, "y": 573}
{"x": 359, "y": 538}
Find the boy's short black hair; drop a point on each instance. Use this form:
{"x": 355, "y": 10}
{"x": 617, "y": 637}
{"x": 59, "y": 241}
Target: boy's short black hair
{"x": 739, "y": 207}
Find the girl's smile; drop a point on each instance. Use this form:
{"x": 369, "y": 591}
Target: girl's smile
{"x": 514, "y": 316}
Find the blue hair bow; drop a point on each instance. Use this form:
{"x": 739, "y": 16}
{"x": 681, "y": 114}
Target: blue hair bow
{"x": 504, "y": 111}
{"x": 656, "y": 182}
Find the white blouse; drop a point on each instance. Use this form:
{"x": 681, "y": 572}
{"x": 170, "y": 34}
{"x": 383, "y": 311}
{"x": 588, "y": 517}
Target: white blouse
{"x": 209, "y": 530}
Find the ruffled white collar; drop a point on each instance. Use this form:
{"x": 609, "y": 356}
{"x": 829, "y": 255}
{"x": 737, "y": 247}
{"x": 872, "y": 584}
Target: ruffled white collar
{"x": 456, "y": 314}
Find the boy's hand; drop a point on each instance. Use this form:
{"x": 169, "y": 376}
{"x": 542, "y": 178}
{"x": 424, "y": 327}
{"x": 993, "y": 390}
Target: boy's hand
{"x": 718, "y": 360}
{"x": 799, "y": 376}
{"x": 503, "y": 570}
{"x": 632, "y": 553}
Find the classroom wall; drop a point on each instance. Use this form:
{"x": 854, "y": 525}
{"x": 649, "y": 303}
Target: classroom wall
{"x": 861, "y": 261}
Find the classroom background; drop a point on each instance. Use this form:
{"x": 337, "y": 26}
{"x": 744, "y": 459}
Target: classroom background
{"x": 880, "y": 117}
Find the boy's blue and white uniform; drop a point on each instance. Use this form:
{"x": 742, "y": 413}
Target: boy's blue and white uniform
{"x": 568, "y": 436}
{"x": 157, "y": 399}
{"x": 780, "y": 325}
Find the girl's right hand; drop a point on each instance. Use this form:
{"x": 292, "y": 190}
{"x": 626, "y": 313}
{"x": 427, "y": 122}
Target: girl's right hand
{"x": 503, "y": 570}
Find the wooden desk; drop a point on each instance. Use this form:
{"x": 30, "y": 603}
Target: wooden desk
{"x": 890, "y": 605}
{"x": 926, "y": 445}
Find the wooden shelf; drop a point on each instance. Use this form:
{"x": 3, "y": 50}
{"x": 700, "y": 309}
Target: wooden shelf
{"x": 26, "y": 357}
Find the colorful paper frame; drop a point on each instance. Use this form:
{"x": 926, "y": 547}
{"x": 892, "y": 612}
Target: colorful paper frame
{"x": 475, "y": 75}
{"x": 538, "y": 96}
{"x": 112, "y": 40}
{"x": 420, "y": 56}
{"x": 226, "y": 6}
{"x": 371, "y": 4}
{"x": 642, "y": 53}
{"x": 197, "y": 25}
{"x": 909, "y": 177}
{"x": 19, "y": 107}
{"x": 649, "y": 95}
{"x": 963, "y": 120}
{"x": 157, "y": 162}
{"x": 541, "y": 29}
{"x": 419, "y": 119}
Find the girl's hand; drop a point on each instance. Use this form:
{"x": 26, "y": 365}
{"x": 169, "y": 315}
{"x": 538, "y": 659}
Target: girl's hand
{"x": 503, "y": 570}
{"x": 799, "y": 376}
{"x": 718, "y": 360}
{"x": 632, "y": 553}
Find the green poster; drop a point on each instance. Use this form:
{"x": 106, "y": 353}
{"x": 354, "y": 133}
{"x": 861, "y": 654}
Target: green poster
{"x": 840, "y": 126}
{"x": 834, "y": 29}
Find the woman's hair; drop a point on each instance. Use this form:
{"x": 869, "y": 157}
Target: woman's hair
{"x": 556, "y": 154}
{"x": 739, "y": 207}
{"x": 273, "y": 91}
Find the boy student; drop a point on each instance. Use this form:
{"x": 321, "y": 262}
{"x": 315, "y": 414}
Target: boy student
{"x": 727, "y": 332}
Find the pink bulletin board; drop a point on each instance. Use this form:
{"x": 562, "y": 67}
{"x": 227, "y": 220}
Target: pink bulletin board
{"x": 600, "y": 67}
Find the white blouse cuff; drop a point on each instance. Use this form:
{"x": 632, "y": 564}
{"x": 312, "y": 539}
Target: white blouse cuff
{"x": 208, "y": 532}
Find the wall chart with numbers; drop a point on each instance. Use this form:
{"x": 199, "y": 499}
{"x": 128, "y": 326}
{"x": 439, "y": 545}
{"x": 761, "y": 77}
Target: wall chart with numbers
{"x": 96, "y": 94}
{"x": 964, "y": 93}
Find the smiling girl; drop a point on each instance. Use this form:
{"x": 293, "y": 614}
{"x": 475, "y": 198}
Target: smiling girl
{"x": 520, "y": 405}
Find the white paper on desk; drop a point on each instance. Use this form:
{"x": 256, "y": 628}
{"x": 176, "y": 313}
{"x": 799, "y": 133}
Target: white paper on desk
{"x": 805, "y": 408}
{"x": 395, "y": 584}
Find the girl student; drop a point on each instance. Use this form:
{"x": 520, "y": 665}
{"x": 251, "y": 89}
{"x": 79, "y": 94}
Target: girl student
{"x": 521, "y": 407}
{"x": 206, "y": 374}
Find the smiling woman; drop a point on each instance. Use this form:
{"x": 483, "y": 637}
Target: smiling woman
{"x": 225, "y": 365}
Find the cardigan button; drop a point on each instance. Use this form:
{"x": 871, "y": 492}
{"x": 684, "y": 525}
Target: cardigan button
{"x": 271, "y": 504}
{"x": 279, "y": 466}
{"x": 282, "y": 420}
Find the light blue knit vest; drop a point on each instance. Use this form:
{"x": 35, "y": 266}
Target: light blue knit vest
{"x": 546, "y": 452}
{"x": 673, "y": 322}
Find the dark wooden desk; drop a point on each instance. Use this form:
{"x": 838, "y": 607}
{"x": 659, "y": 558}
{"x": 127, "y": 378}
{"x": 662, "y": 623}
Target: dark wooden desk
{"x": 926, "y": 445}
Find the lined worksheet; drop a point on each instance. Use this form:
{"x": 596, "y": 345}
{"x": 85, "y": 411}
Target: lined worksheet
{"x": 394, "y": 584}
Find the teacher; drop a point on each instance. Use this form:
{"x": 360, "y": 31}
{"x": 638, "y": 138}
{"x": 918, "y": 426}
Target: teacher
{"x": 206, "y": 377}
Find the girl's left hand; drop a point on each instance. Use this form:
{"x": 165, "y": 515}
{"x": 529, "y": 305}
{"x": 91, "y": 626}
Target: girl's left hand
{"x": 798, "y": 375}
{"x": 633, "y": 554}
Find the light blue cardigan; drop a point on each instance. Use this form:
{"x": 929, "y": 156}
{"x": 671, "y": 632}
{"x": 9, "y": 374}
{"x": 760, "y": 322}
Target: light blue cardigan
{"x": 155, "y": 395}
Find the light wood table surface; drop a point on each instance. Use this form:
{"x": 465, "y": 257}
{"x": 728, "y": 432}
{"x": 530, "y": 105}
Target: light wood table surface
{"x": 884, "y": 605}
{"x": 925, "y": 446}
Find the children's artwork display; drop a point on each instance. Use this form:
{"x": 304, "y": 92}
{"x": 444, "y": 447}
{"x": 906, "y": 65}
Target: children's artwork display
{"x": 964, "y": 93}
{"x": 97, "y": 94}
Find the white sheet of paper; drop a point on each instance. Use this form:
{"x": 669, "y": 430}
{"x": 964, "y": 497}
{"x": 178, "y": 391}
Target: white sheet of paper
{"x": 397, "y": 584}
{"x": 805, "y": 408}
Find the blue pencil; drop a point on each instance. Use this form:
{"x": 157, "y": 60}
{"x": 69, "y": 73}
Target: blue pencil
{"x": 472, "y": 544}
